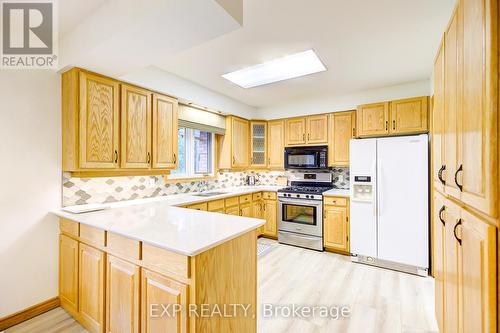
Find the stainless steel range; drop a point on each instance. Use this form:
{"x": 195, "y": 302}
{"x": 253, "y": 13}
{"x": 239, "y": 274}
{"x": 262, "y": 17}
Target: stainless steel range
{"x": 300, "y": 214}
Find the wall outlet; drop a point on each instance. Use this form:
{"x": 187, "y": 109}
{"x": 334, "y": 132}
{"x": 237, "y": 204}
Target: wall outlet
{"x": 152, "y": 181}
{"x": 340, "y": 178}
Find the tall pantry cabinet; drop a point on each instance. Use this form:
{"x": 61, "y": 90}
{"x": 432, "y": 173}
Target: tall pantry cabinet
{"x": 465, "y": 170}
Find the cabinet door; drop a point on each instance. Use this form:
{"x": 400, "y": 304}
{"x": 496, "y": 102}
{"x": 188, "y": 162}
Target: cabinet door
{"x": 136, "y": 127}
{"x": 438, "y": 120}
{"x": 258, "y": 144}
{"x": 122, "y": 296}
{"x": 91, "y": 291}
{"x": 452, "y": 270}
{"x": 317, "y": 129}
{"x": 68, "y": 273}
{"x": 258, "y": 213}
{"x": 478, "y": 130}
{"x": 158, "y": 290}
{"x": 295, "y": 131}
{"x": 336, "y": 228}
{"x": 451, "y": 107}
{"x": 270, "y": 211}
{"x": 373, "y": 119}
{"x": 99, "y": 122}
{"x": 342, "y": 126}
{"x": 438, "y": 255}
{"x": 165, "y": 124}
{"x": 409, "y": 115}
{"x": 246, "y": 210}
{"x": 478, "y": 275}
{"x": 276, "y": 144}
{"x": 240, "y": 140}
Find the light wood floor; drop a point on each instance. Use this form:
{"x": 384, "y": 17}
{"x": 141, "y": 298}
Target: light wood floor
{"x": 380, "y": 300}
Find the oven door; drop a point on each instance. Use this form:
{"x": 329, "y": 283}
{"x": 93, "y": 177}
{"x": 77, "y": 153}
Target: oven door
{"x": 301, "y": 159}
{"x": 301, "y": 216}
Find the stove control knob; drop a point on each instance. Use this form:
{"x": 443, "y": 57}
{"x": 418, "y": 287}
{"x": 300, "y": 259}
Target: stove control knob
{"x": 298, "y": 195}
{"x": 307, "y": 196}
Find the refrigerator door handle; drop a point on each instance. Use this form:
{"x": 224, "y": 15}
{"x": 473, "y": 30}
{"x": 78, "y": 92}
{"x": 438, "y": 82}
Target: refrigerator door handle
{"x": 374, "y": 190}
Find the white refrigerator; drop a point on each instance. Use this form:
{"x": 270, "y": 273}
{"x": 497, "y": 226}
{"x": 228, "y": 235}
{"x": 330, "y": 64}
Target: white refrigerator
{"x": 389, "y": 206}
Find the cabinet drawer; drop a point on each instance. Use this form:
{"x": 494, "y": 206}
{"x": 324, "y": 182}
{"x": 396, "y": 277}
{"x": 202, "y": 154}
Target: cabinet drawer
{"x": 257, "y": 196}
{"x": 269, "y": 195}
{"x": 164, "y": 261}
{"x": 199, "y": 206}
{"x": 336, "y": 201}
{"x": 69, "y": 227}
{"x": 245, "y": 198}
{"x": 233, "y": 201}
{"x": 130, "y": 248}
{"x": 92, "y": 235}
{"x": 216, "y": 205}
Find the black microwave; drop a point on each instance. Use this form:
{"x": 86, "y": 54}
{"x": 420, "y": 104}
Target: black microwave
{"x": 306, "y": 157}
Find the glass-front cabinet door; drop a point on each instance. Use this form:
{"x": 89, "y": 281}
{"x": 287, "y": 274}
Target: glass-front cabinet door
{"x": 258, "y": 143}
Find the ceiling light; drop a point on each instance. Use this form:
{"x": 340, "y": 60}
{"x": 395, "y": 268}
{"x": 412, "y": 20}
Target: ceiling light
{"x": 288, "y": 67}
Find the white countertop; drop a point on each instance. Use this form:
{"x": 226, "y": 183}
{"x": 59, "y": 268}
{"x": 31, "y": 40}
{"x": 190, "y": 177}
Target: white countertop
{"x": 158, "y": 222}
{"x": 338, "y": 192}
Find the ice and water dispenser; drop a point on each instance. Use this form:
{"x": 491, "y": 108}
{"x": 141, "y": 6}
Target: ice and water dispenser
{"x": 362, "y": 189}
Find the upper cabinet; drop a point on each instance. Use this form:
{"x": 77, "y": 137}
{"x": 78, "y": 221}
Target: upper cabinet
{"x": 373, "y": 119}
{"x": 96, "y": 119}
{"x": 469, "y": 150}
{"x": 312, "y": 130}
{"x": 105, "y": 135}
{"x": 296, "y": 131}
{"x": 409, "y": 115}
{"x": 136, "y": 127}
{"x": 405, "y": 116}
{"x": 276, "y": 144}
{"x": 258, "y": 144}
{"x": 438, "y": 121}
{"x": 234, "y": 150}
{"x": 342, "y": 130}
{"x": 165, "y": 127}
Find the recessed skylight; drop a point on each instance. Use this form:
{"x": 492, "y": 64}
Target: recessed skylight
{"x": 288, "y": 67}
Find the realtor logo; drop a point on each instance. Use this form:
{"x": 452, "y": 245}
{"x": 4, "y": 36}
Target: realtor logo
{"x": 28, "y": 34}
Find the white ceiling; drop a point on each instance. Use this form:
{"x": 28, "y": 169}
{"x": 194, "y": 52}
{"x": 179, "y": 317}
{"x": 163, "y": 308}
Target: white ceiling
{"x": 364, "y": 44}
{"x": 72, "y": 12}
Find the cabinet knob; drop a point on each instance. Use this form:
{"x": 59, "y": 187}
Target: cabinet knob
{"x": 386, "y": 125}
{"x": 394, "y": 124}
{"x": 116, "y": 156}
{"x": 175, "y": 158}
{"x": 149, "y": 158}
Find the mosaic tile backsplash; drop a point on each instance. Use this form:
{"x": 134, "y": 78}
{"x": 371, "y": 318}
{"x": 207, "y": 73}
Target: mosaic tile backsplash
{"x": 80, "y": 191}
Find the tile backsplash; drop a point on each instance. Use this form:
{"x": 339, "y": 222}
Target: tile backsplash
{"x": 79, "y": 191}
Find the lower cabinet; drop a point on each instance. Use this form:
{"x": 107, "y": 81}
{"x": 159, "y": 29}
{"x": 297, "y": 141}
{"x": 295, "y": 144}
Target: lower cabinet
{"x": 465, "y": 257}
{"x": 91, "y": 290}
{"x": 122, "y": 296}
{"x": 258, "y": 213}
{"x": 158, "y": 290}
{"x": 336, "y": 228}
{"x": 68, "y": 273}
{"x": 270, "y": 212}
{"x": 234, "y": 210}
{"x": 246, "y": 210}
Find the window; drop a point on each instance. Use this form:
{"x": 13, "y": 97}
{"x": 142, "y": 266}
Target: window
{"x": 195, "y": 153}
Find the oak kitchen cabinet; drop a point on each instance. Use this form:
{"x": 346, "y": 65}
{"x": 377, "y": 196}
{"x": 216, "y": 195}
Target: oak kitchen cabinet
{"x": 342, "y": 130}
{"x": 135, "y": 127}
{"x": 311, "y": 130}
{"x": 234, "y": 147}
{"x": 270, "y": 205}
{"x": 135, "y": 275}
{"x": 104, "y": 135}
{"x": 336, "y": 224}
{"x": 465, "y": 269}
{"x": 469, "y": 149}
{"x": 258, "y": 144}
{"x": 258, "y": 210}
{"x": 437, "y": 129}
{"x": 276, "y": 144}
{"x": 404, "y": 116}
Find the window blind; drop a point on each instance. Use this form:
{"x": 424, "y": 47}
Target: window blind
{"x": 202, "y": 120}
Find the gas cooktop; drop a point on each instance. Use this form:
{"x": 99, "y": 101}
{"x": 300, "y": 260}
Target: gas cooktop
{"x": 306, "y": 189}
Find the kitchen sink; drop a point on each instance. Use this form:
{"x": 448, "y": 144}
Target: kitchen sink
{"x": 209, "y": 194}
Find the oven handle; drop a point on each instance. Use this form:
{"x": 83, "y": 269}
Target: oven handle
{"x": 301, "y": 235}
{"x": 316, "y": 203}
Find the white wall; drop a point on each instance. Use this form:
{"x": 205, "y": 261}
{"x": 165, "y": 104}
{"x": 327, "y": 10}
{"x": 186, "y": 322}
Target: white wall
{"x": 159, "y": 80}
{"x": 346, "y": 102}
{"x": 30, "y": 186}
